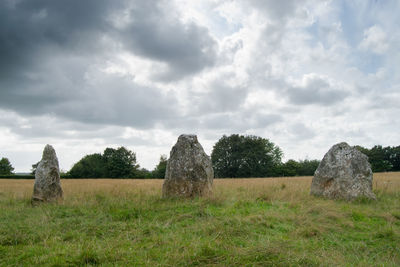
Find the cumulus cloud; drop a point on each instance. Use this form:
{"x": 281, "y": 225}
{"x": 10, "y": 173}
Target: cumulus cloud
{"x": 315, "y": 89}
{"x": 375, "y": 40}
{"x": 239, "y": 122}
{"x": 152, "y": 32}
{"x": 221, "y": 97}
{"x": 95, "y": 97}
{"x": 53, "y": 55}
{"x": 278, "y": 11}
{"x": 84, "y": 75}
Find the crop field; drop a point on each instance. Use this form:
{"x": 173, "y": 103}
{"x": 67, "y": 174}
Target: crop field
{"x": 246, "y": 222}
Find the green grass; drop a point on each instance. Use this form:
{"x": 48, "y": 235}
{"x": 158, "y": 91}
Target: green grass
{"x": 234, "y": 228}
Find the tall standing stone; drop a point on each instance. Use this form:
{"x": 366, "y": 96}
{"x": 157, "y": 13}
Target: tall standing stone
{"x": 47, "y": 186}
{"x": 344, "y": 173}
{"x": 189, "y": 170}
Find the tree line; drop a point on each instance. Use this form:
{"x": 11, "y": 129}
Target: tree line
{"x": 237, "y": 156}
{"x": 115, "y": 163}
{"x": 383, "y": 159}
{"x": 232, "y": 156}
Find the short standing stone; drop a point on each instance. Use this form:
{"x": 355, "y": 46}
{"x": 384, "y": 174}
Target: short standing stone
{"x": 344, "y": 173}
{"x": 47, "y": 178}
{"x": 189, "y": 170}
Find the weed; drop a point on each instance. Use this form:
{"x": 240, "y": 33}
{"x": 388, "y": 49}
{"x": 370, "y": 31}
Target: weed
{"x": 87, "y": 257}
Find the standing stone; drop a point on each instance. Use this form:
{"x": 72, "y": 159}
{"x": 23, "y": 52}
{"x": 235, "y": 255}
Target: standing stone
{"x": 189, "y": 170}
{"x": 344, "y": 173}
{"x": 47, "y": 178}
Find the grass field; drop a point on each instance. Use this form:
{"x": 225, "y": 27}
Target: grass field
{"x": 247, "y": 222}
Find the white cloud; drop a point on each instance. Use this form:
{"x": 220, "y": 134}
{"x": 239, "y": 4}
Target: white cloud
{"x": 375, "y": 40}
{"x": 139, "y": 74}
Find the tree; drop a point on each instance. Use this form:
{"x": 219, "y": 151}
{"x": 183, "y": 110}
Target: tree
{"x": 245, "y": 156}
{"x": 297, "y": 168}
{"x": 291, "y": 168}
{"x": 113, "y": 163}
{"x": 34, "y": 167}
{"x": 90, "y": 166}
{"x": 5, "y": 167}
{"x": 120, "y": 162}
{"x": 143, "y": 173}
{"x": 159, "y": 171}
{"x": 394, "y": 157}
{"x": 308, "y": 167}
{"x": 378, "y": 157}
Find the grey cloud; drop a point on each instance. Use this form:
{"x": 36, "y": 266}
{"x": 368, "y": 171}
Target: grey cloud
{"x": 30, "y": 28}
{"x": 106, "y": 99}
{"x": 47, "y": 49}
{"x": 261, "y": 120}
{"x": 41, "y": 128}
{"x": 316, "y": 90}
{"x": 302, "y": 131}
{"x": 385, "y": 101}
{"x": 38, "y": 91}
{"x": 221, "y": 97}
{"x": 154, "y": 33}
{"x": 277, "y": 10}
{"x": 119, "y": 101}
{"x": 239, "y": 121}
{"x": 273, "y": 36}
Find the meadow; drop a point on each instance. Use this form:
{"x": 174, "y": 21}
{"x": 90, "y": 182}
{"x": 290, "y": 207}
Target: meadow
{"x": 246, "y": 222}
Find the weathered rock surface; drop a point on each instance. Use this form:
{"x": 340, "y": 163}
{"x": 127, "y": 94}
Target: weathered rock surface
{"x": 344, "y": 173}
{"x": 189, "y": 170}
{"x": 47, "y": 178}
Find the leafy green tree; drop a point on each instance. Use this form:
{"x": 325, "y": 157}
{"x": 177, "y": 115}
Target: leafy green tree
{"x": 308, "y": 167}
{"x": 5, "y": 167}
{"x": 291, "y": 168}
{"x": 143, "y": 173}
{"x": 297, "y": 168}
{"x": 120, "y": 162}
{"x": 378, "y": 157}
{"x": 90, "y": 166}
{"x": 394, "y": 157}
{"x": 159, "y": 171}
{"x": 34, "y": 167}
{"x": 113, "y": 163}
{"x": 245, "y": 156}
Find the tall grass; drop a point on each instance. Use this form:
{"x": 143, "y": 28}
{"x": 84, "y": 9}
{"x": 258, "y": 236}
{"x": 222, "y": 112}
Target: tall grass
{"x": 246, "y": 222}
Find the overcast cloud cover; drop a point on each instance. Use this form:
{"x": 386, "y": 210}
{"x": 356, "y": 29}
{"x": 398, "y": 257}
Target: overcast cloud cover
{"x": 86, "y": 75}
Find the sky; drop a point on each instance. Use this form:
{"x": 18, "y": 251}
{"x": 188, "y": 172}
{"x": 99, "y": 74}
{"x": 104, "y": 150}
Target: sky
{"x": 86, "y": 75}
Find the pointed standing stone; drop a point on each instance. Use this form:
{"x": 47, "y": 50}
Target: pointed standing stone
{"x": 189, "y": 170}
{"x": 47, "y": 186}
{"x": 344, "y": 173}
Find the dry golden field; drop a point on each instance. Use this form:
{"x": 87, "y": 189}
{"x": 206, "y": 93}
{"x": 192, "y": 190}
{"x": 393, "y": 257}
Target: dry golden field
{"x": 295, "y": 188}
{"x": 246, "y": 222}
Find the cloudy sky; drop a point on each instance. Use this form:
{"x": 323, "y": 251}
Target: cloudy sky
{"x": 86, "y": 75}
